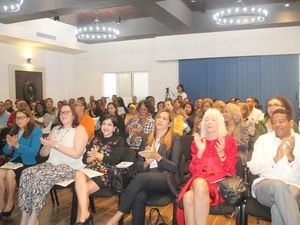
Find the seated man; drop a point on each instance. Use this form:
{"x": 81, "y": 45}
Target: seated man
{"x": 276, "y": 159}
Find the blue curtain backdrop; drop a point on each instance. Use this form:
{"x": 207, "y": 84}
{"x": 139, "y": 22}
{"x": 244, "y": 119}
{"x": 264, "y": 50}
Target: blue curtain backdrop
{"x": 258, "y": 76}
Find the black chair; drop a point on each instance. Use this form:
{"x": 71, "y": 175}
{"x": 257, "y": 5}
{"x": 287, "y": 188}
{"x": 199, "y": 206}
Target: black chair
{"x": 186, "y": 141}
{"x": 227, "y": 209}
{"x": 163, "y": 200}
{"x": 129, "y": 156}
{"x": 252, "y": 207}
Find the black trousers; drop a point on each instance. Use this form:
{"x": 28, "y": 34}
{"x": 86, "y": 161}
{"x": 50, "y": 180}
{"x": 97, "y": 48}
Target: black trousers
{"x": 139, "y": 190}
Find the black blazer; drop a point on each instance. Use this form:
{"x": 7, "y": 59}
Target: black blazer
{"x": 169, "y": 164}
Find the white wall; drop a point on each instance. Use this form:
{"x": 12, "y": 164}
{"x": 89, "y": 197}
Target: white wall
{"x": 58, "y": 67}
{"x": 80, "y": 75}
{"x": 123, "y": 56}
{"x": 159, "y": 56}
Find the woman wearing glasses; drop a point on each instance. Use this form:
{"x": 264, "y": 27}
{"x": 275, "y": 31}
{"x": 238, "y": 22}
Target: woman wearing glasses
{"x": 277, "y": 102}
{"x": 65, "y": 146}
{"x": 22, "y": 144}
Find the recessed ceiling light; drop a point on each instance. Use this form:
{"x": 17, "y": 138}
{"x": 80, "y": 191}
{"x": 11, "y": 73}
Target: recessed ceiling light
{"x": 192, "y": 1}
{"x": 286, "y": 4}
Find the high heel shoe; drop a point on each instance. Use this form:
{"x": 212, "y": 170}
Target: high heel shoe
{"x": 7, "y": 214}
{"x": 88, "y": 221}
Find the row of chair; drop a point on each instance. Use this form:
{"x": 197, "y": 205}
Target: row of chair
{"x": 250, "y": 207}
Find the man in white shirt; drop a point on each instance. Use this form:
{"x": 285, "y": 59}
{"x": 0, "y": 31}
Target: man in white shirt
{"x": 276, "y": 159}
{"x": 255, "y": 114}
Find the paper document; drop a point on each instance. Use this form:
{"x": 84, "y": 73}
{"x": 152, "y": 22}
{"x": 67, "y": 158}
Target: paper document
{"x": 65, "y": 183}
{"x": 91, "y": 173}
{"x": 123, "y": 165}
{"x": 12, "y": 166}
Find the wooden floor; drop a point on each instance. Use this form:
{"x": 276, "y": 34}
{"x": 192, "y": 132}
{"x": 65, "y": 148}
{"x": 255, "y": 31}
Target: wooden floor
{"x": 105, "y": 208}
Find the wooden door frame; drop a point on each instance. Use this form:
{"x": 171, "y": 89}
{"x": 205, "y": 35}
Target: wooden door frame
{"x": 12, "y": 80}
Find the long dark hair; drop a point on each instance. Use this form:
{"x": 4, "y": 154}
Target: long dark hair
{"x": 75, "y": 122}
{"x": 43, "y": 107}
{"x": 29, "y": 127}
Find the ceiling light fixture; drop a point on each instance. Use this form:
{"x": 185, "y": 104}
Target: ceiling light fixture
{"x": 95, "y": 31}
{"x": 240, "y": 14}
{"x": 286, "y": 4}
{"x": 9, "y": 6}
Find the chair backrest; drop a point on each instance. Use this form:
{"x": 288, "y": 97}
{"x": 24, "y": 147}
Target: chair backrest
{"x": 240, "y": 168}
{"x": 186, "y": 141}
{"x": 129, "y": 155}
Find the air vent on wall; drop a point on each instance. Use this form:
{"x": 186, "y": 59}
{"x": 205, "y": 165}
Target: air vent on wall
{"x": 43, "y": 35}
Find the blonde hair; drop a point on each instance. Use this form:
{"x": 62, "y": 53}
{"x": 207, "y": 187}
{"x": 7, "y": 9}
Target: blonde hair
{"x": 235, "y": 111}
{"x": 168, "y": 136}
{"x": 245, "y": 107}
{"x": 221, "y": 123}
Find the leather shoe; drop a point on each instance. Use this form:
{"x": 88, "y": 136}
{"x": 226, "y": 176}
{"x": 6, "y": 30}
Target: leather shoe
{"x": 7, "y": 214}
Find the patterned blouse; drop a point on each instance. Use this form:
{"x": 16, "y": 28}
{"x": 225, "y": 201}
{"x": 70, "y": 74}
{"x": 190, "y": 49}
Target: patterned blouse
{"x": 112, "y": 148}
{"x": 147, "y": 129}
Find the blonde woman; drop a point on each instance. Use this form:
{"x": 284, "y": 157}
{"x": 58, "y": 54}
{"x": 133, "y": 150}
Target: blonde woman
{"x": 237, "y": 128}
{"x": 157, "y": 166}
{"x": 214, "y": 156}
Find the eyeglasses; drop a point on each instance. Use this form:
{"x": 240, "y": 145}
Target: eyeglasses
{"x": 279, "y": 121}
{"x": 274, "y": 106}
{"x": 20, "y": 117}
{"x": 66, "y": 113}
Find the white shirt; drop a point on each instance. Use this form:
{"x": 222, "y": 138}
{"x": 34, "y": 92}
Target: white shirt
{"x": 262, "y": 163}
{"x": 183, "y": 95}
{"x": 256, "y": 115}
{"x": 66, "y": 138}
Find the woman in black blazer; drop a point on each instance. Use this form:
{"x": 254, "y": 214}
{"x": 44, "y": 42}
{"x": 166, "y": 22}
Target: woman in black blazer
{"x": 158, "y": 170}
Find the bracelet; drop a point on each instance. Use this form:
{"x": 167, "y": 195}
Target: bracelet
{"x": 222, "y": 157}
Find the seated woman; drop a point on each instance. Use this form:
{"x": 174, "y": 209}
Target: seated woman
{"x": 65, "y": 146}
{"x": 214, "y": 156}
{"x": 158, "y": 167}
{"x": 105, "y": 150}
{"x": 142, "y": 125}
{"x": 238, "y": 129}
{"x": 23, "y": 143}
{"x": 112, "y": 109}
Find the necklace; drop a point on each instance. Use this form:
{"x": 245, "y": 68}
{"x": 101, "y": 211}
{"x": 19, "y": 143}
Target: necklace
{"x": 59, "y": 136}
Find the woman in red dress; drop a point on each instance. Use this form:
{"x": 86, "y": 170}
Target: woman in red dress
{"x": 214, "y": 156}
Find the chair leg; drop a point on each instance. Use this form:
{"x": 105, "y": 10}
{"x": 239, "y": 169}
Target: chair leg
{"x": 174, "y": 219}
{"x": 92, "y": 204}
{"x": 74, "y": 208}
{"x": 244, "y": 216}
{"x": 121, "y": 221}
{"x": 238, "y": 215}
{"x": 52, "y": 196}
{"x": 56, "y": 197}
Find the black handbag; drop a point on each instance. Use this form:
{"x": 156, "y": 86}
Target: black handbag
{"x": 233, "y": 190}
{"x": 120, "y": 178}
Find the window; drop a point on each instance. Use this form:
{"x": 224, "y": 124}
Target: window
{"x": 125, "y": 84}
{"x": 109, "y": 84}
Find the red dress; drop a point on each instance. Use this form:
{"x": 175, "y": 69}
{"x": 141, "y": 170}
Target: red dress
{"x": 211, "y": 168}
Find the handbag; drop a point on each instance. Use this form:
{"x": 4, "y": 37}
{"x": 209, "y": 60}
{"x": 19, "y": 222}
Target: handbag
{"x": 120, "y": 178}
{"x": 232, "y": 189}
